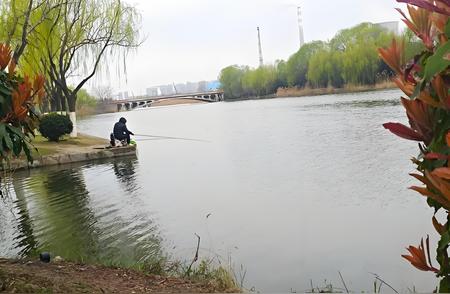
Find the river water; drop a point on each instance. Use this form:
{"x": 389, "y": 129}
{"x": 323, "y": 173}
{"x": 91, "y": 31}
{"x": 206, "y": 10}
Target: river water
{"x": 291, "y": 190}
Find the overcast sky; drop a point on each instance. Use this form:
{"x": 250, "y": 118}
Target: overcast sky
{"x": 192, "y": 40}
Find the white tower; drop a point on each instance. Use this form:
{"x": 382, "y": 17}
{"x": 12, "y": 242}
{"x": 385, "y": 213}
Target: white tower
{"x": 300, "y": 26}
{"x": 261, "y": 61}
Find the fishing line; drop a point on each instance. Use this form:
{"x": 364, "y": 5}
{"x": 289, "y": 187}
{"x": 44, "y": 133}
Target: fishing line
{"x": 170, "y": 138}
{"x": 150, "y": 139}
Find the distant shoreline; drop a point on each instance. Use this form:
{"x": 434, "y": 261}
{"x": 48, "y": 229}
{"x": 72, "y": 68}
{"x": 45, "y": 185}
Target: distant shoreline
{"x": 175, "y": 101}
{"x": 300, "y": 92}
{"x": 281, "y": 93}
{"x": 293, "y": 92}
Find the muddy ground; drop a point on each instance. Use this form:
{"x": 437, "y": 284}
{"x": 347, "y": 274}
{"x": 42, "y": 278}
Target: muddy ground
{"x": 19, "y": 276}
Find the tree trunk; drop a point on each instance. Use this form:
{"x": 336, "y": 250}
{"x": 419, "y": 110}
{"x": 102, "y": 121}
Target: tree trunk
{"x": 73, "y": 118}
{"x": 46, "y": 106}
{"x": 62, "y": 100}
{"x": 53, "y": 100}
{"x": 71, "y": 101}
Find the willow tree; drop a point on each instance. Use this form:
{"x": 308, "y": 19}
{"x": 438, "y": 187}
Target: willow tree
{"x": 77, "y": 39}
{"x": 21, "y": 22}
{"x": 35, "y": 59}
{"x": 19, "y": 19}
{"x": 69, "y": 41}
{"x": 297, "y": 64}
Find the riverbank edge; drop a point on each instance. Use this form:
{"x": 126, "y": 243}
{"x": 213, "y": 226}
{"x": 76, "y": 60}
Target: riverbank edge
{"x": 102, "y": 108}
{"x": 73, "y": 154}
{"x": 293, "y": 92}
{"x": 347, "y": 89}
{"x": 32, "y": 276}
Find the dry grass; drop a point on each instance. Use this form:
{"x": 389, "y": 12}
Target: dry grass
{"x": 218, "y": 277}
{"x": 85, "y": 110}
{"x": 308, "y": 91}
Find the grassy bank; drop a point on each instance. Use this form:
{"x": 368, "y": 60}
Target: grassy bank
{"x": 307, "y": 91}
{"x": 20, "y": 276}
{"x": 66, "y": 144}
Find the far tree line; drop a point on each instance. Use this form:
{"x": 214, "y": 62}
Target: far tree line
{"x": 349, "y": 58}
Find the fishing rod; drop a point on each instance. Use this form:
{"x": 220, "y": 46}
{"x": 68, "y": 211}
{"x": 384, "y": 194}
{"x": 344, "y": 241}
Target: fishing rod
{"x": 170, "y": 138}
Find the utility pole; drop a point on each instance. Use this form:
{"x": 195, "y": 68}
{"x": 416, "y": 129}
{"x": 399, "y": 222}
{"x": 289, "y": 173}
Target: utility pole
{"x": 300, "y": 26}
{"x": 261, "y": 61}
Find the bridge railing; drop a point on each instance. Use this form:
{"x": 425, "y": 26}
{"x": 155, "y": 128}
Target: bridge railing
{"x": 184, "y": 95}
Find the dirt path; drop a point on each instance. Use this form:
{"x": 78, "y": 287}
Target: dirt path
{"x": 65, "y": 277}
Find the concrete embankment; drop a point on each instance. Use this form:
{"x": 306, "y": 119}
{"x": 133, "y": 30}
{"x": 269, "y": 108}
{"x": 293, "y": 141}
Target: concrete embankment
{"x": 70, "y": 150}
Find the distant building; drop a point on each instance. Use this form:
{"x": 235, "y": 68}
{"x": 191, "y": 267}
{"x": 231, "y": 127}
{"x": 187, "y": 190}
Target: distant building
{"x": 213, "y": 86}
{"x": 120, "y": 96}
{"x": 153, "y": 91}
{"x": 202, "y": 86}
{"x": 166, "y": 90}
{"x": 191, "y": 87}
{"x": 391, "y": 26}
{"x": 181, "y": 88}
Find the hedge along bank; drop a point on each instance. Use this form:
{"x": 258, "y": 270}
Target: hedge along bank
{"x": 53, "y": 126}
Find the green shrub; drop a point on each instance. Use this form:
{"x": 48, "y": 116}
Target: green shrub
{"x": 54, "y": 125}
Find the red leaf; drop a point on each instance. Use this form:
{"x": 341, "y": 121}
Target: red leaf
{"x": 440, "y": 228}
{"x": 403, "y": 131}
{"x": 434, "y": 155}
{"x": 5, "y": 56}
{"x": 442, "y": 172}
{"x": 429, "y": 6}
{"x": 419, "y": 120}
{"x": 418, "y": 257}
{"x": 393, "y": 55}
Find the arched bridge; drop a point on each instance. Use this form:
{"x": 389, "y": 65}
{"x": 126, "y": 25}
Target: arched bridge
{"x": 147, "y": 101}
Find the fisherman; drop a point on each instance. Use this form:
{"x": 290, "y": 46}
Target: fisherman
{"x": 121, "y": 132}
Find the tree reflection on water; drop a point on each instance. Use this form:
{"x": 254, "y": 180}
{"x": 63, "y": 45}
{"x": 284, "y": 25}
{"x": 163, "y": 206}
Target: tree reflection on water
{"x": 60, "y": 211}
